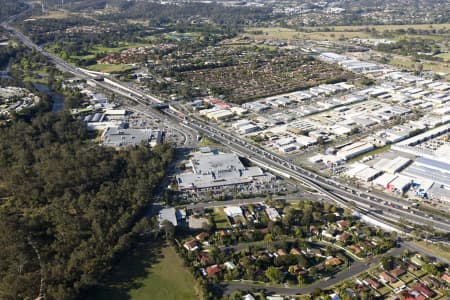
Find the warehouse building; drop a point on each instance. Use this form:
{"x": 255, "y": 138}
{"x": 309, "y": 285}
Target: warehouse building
{"x": 354, "y": 149}
{"x": 429, "y": 169}
{"x": 392, "y": 166}
{"x": 400, "y": 184}
{"x": 363, "y": 172}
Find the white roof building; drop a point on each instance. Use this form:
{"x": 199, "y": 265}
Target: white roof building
{"x": 233, "y": 211}
{"x": 273, "y": 214}
{"x": 167, "y": 214}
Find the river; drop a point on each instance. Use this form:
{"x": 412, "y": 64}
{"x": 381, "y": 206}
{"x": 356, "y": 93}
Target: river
{"x": 57, "y": 99}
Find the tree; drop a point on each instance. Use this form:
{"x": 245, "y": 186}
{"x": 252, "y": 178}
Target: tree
{"x": 273, "y": 274}
{"x": 431, "y": 269}
{"x": 387, "y": 262}
{"x": 169, "y": 229}
{"x": 316, "y": 292}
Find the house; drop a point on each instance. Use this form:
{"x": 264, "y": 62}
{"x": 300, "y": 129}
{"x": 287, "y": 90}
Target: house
{"x": 421, "y": 288}
{"x": 362, "y": 288}
{"x": 248, "y": 297}
{"x": 229, "y": 265}
{"x": 315, "y": 251}
{"x": 416, "y": 259}
{"x": 356, "y": 249}
{"x": 446, "y": 277}
{"x": 335, "y": 297}
{"x": 414, "y": 295}
{"x": 386, "y": 277}
{"x": 203, "y": 257}
{"x": 233, "y": 211}
{"x": 295, "y": 269}
{"x": 432, "y": 281}
{"x": 281, "y": 252}
{"x": 213, "y": 270}
{"x": 412, "y": 267}
{"x": 273, "y": 214}
{"x": 344, "y": 237}
{"x": 191, "y": 245}
{"x": 375, "y": 284}
{"x": 397, "y": 272}
{"x": 201, "y": 236}
{"x": 342, "y": 224}
{"x": 327, "y": 234}
{"x": 295, "y": 251}
{"x": 313, "y": 230}
{"x": 333, "y": 261}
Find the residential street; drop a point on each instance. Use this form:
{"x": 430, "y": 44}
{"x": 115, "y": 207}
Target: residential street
{"x": 355, "y": 268}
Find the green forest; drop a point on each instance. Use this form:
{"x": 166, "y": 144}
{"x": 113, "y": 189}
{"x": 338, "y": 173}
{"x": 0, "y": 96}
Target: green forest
{"x": 69, "y": 209}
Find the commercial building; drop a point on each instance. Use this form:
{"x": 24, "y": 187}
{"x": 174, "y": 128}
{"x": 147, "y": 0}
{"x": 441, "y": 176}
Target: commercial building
{"x": 119, "y": 137}
{"x": 215, "y": 170}
{"x": 217, "y": 114}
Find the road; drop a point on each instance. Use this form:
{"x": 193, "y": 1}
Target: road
{"x": 212, "y": 204}
{"x": 355, "y": 269}
{"x": 374, "y": 206}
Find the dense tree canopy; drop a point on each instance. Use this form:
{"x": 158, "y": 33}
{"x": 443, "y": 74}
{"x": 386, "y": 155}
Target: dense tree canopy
{"x": 68, "y": 208}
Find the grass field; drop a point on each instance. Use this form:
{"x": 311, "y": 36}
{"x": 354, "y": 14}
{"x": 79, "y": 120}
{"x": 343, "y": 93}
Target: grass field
{"x": 149, "y": 274}
{"x": 220, "y": 219}
{"x": 437, "y": 250}
{"x": 408, "y": 63}
{"x": 445, "y": 56}
{"x": 290, "y": 34}
{"x": 337, "y": 32}
{"x": 380, "y": 27}
{"x": 207, "y": 142}
{"x": 109, "y": 68}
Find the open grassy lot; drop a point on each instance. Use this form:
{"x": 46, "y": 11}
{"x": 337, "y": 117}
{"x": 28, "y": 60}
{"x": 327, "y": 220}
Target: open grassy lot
{"x": 337, "y": 32}
{"x": 445, "y": 56}
{"x": 290, "y": 34}
{"x": 384, "y": 290}
{"x": 153, "y": 272}
{"x": 407, "y": 278}
{"x": 380, "y": 27}
{"x": 441, "y": 251}
{"x": 221, "y": 219}
{"x": 54, "y": 14}
{"x": 109, "y": 68}
{"x": 408, "y": 63}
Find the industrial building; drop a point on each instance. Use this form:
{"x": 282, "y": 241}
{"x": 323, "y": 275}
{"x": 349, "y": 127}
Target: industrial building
{"x": 363, "y": 172}
{"x": 392, "y": 166}
{"x": 428, "y": 169}
{"x": 354, "y": 149}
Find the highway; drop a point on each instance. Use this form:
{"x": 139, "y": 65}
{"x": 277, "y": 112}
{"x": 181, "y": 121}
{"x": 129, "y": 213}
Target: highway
{"x": 381, "y": 208}
{"x": 366, "y": 203}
